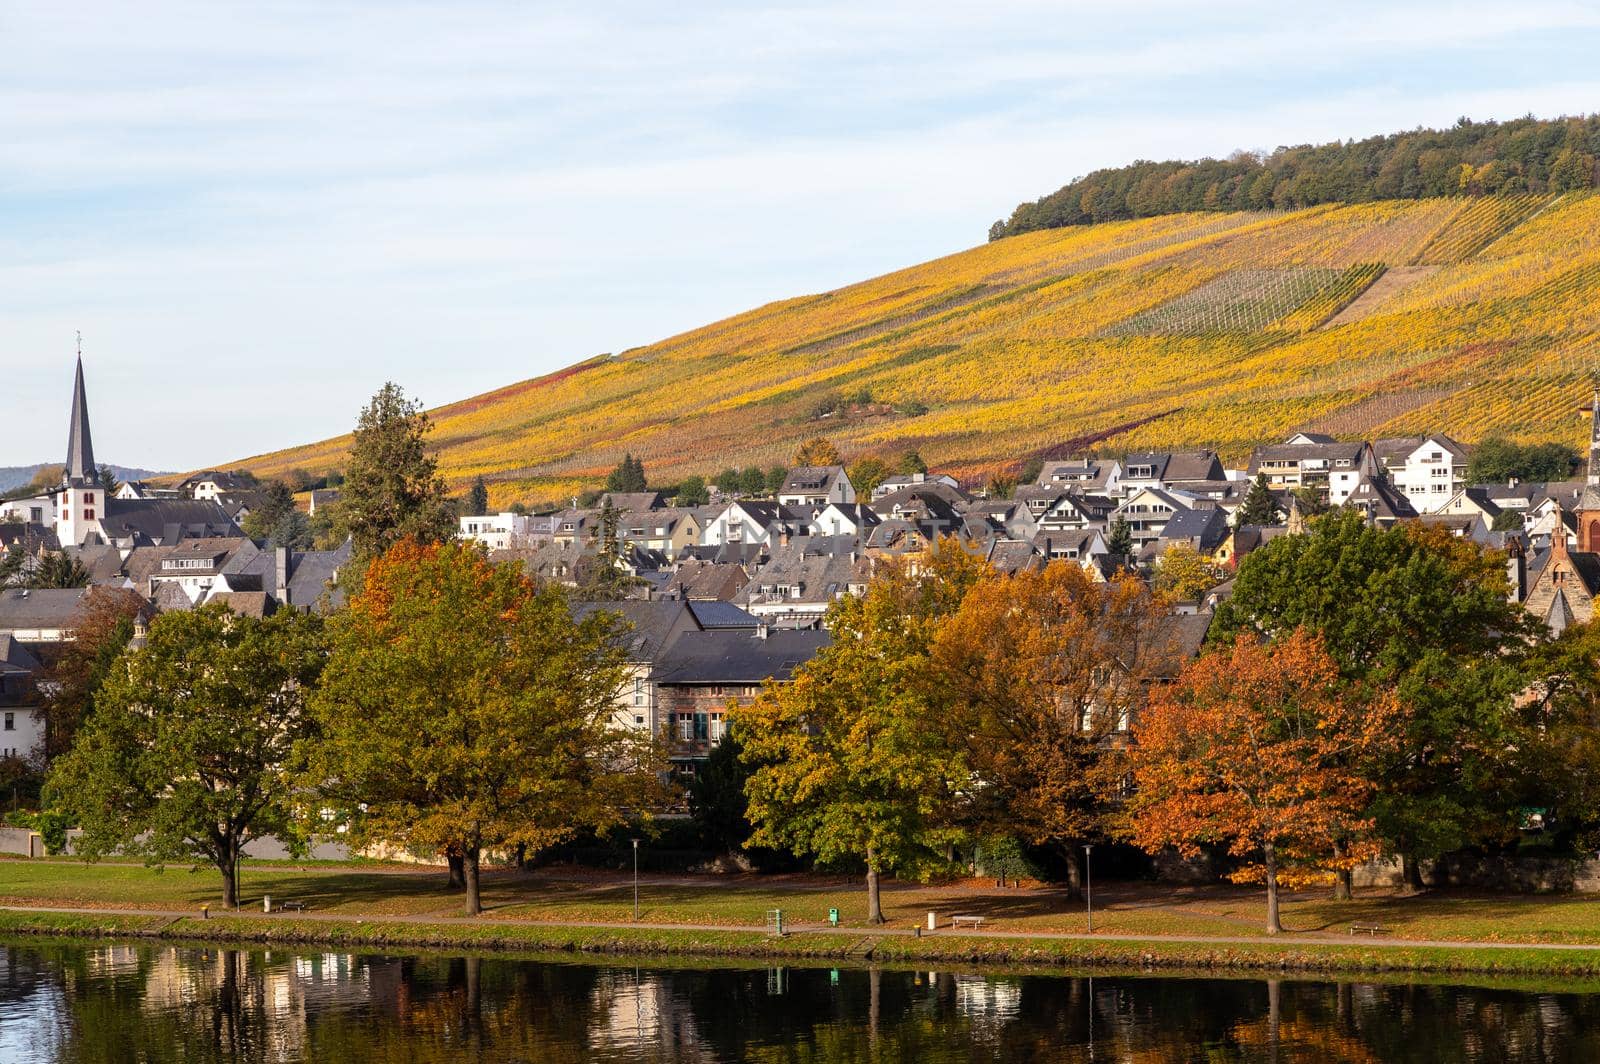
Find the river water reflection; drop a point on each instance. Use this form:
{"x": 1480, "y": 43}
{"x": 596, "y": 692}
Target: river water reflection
{"x": 69, "y": 1002}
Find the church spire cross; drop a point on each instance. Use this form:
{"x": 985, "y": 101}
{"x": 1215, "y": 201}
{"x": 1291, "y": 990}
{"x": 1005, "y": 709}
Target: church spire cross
{"x": 80, "y": 469}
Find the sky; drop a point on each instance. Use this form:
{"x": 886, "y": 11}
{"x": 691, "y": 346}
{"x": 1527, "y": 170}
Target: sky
{"x": 258, "y": 213}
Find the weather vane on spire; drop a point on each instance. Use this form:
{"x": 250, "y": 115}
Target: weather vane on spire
{"x": 80, "y": 342}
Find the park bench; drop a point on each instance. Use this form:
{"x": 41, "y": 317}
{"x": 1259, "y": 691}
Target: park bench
{"x": 1370, "y": 930}
{"x": 292, "y": 907}
{"x": 974, "y": 922}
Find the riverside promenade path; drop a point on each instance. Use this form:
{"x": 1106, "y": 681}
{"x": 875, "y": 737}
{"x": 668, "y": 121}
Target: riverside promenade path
{"x": 1287, "y": 939}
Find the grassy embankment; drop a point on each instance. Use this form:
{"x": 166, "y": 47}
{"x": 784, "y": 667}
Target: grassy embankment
{"x": 367, "y": 906}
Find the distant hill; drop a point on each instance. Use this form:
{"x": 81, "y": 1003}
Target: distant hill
{"x": 1468, "y": 315}
{"x": 13, "y": 477}
{"x": 1469, "y": 158}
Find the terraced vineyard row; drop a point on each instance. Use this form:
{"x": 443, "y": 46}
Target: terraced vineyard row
{"x": 1468, "y": 316}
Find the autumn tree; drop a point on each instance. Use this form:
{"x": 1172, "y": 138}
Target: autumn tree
{"x": 844, "y": 764}
{"x": 1039, "y": 669}
{"x": 1418, "y": 611}
{"x": 186, "y": 754}
{"x": 101, "y": 630}
{"x": 1252, "y": 748}
{"x": 465, "y": 708}
{"x": 1186, "y": 574}
{"x": 392, "y": 489}
{"x": 867, "y": 473}
{"x": 817, "y": 451}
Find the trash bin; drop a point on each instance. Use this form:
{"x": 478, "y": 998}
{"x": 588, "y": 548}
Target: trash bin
{"x": 266, "y": 903}
{"x": 833, "y": 917}
{"x": 933, "y": 920}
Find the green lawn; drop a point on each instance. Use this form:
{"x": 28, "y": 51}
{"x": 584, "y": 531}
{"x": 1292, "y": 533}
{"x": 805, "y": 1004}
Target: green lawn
{"x": 562, "y": 894}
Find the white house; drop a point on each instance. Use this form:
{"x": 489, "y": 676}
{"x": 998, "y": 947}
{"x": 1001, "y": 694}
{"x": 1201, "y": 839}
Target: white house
{"x": 1147, "y": 511}
{"x": 21, "y": 716}
{"x": 1427, "y": 470}
{"x": 843, "y": 519}
{"x": 750, "y": 522}
{"x": 499, "y": 531}
{"x": 1313, "y": 460}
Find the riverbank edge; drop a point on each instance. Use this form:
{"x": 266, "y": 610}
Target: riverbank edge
{"x": 1152, "y": 954}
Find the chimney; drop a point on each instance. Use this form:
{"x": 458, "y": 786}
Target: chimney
{"x": 280, "y": 583}
{"x": 761, "y": 630}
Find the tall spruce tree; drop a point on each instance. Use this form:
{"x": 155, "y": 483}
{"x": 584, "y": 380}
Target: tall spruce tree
{"x": 478, "y": 497}
{"x": 392, "y": 489}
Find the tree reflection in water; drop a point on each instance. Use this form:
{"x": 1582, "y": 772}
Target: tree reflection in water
{"x": 159, "y": 1004}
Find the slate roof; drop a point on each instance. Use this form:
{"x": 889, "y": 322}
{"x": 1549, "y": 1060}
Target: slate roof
{"x": 1394, "y": 450}
{"x": 16, "y": 659}
{"x": 805, "y": 480}
{"x": 633, "y": 501}
{"x": 651, "y": 623}
{"x": 1204, "y": 529}
{"x": 710, "y": 614}
{"x": 698, "y": 580}
{"x": 166, "y": 521}
{"x": 747, "y": 656}
{"x": 23, "y": 609}
{"x": 1169, "y": 466}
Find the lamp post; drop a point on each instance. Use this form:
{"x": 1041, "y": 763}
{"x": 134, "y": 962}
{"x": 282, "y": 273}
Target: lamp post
{"x": 1088, "y": 886}
{"x": 635, "y": 880}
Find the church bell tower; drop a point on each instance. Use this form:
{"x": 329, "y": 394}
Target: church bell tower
{"x": 82, "y": 499}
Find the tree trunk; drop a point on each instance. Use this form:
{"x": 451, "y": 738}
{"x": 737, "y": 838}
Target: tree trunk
{"x": 1341, "y": 875}
{"x": 874, "y": 979}
{"x": 229, "y": 868}
{"x": 1274, "y": 925}
{"x": 1074, "y": 874}
{"x": 1412, "y": 869}
{"x": 874, "y": 901}
{"x": 469, "y": 861}
{"x": 1274, "y": 1017}
{"x": 458, "y": 874}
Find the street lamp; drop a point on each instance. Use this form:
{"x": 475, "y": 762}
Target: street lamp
{"x": 1088, "y": 886}
{"x": 635, "y": 880}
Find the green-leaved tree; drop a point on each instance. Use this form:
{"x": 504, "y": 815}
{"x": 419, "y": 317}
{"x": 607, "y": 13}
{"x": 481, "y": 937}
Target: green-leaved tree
{"x": 466, "y": 710}
{"x": 186, "y": 755}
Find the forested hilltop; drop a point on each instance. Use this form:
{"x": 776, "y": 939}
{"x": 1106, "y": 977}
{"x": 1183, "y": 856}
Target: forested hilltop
{"x": 1470, "y": 159}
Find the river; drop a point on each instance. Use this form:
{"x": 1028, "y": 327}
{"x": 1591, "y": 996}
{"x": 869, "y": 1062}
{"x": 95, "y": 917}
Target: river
{"x": 91, "y": 1003}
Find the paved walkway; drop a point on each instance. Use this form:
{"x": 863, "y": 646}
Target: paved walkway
{"x": 1288, "y": 939}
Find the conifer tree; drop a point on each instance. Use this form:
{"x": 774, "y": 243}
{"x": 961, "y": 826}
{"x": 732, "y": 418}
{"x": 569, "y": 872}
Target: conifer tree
{"x": 1260, "y": 505}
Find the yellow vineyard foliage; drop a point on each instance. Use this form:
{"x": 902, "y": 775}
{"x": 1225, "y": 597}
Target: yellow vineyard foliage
{"x": 1469, "y": 316}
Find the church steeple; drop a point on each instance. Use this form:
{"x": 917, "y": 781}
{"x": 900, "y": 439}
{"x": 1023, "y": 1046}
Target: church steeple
{"x": 80, "y": 471}
{"x": 1594, "y": 438}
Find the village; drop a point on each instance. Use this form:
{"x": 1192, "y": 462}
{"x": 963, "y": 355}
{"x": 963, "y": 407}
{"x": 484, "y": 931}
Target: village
{"x": 724, "y": 596}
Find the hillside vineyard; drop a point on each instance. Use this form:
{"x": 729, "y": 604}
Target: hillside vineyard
{"x": 1467, "y": 316}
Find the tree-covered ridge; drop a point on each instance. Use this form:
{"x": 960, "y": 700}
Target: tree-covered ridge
{"x": 1470, "y": 158}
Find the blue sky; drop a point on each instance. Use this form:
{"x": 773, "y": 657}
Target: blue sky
{"x": 257, "y": 213}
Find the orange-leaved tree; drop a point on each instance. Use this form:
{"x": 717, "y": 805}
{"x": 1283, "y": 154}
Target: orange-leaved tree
{"x": 1041, "y": 670}
{"x": 817, "y": 451}
{"x": 1254, "y": 747}
{"x": 466, "y": 709}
